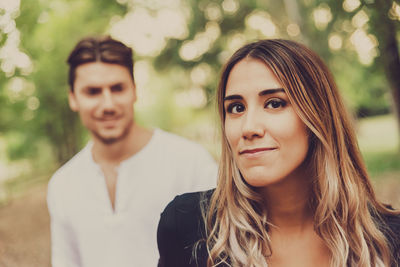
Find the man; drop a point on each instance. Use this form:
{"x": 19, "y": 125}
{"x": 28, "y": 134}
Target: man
{"x": 106, "y": 201}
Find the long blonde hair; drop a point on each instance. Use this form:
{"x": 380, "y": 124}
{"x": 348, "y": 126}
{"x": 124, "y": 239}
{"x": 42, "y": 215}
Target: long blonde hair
{"x": 346, "y": 210}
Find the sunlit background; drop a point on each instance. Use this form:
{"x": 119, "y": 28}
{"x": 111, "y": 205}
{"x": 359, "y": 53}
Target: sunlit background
{"x": 179, "y": 46}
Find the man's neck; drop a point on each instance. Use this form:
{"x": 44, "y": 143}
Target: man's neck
{"x": 115, "y": 153}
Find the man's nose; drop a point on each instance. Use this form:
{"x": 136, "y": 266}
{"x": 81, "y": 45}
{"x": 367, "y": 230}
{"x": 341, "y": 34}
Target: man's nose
{"x": 253, "y": 125}
{"x": 107, "y": 99}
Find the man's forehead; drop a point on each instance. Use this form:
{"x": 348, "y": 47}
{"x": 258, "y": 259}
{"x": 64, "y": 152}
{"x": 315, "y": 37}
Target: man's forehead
{"x": 100, "y": 67}
{"x": 101, "y": 74}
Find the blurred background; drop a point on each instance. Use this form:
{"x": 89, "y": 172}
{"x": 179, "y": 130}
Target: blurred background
{"x": 180, "y": 46}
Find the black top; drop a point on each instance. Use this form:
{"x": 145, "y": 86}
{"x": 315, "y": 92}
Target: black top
{"x": 181, "y": 233}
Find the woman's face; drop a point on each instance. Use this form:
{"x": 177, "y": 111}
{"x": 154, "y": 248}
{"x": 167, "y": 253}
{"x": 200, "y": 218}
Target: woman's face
{"x": 268, "y": 139}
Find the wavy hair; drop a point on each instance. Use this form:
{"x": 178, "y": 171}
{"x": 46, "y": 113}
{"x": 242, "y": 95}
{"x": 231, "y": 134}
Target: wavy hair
{"x": 346, "y": 210}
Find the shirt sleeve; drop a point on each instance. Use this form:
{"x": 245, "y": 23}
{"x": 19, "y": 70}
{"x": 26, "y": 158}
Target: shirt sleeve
{"x": 64, "y": 249}
{"x": 180, "y": 234}
{"x": 168, "y": 239}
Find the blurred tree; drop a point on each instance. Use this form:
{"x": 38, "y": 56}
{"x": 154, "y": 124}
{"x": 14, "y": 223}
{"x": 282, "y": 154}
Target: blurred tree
{"x": 49, "y": 30}
{"x": 370, "y": 28}
{"x": 357, "y": 40}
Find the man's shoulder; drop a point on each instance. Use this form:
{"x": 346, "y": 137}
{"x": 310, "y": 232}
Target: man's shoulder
{"x": 180, "y": 146}
{"x": 172, "y": 139}
{"x": 185, "y": 166}
{"x": 67, "y": 172}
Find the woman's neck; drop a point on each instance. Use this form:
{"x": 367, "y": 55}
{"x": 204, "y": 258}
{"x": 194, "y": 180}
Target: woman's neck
{"x": 287, "y": 202}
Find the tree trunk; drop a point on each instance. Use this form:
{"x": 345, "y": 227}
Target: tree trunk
{"x": 385, "y": 30}
{"x": 293, "y": 13}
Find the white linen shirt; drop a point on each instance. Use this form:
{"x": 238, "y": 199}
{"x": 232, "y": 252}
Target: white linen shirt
{"x": 87, "y": 232}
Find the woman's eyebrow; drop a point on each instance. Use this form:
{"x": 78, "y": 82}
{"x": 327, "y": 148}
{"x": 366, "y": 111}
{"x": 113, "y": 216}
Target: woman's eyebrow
{"x": 271, "y": 91}
{"x": 233, "y": 97}
{"x": 262, "y": 93}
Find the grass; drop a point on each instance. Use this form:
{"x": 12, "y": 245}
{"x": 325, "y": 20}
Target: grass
{"x": 378, "y": 138}
{"x": 26, "y": 181}
{"x": 379, "y": 163}
{"x": 18, "y": 185}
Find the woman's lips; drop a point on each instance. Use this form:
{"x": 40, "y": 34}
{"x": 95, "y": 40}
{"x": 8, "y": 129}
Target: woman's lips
{"x": 255, "y": 151}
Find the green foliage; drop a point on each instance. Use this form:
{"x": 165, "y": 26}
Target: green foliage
{"x": 39, "y": 114}
{"x": 364, "y": 89}
{"x": 365, "y": 85}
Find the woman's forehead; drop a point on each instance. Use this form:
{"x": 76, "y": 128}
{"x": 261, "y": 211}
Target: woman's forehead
{"x": 250, "y": 74}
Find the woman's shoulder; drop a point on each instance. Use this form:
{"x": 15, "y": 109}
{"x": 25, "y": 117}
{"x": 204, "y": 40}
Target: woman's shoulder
{"x": 183, "y": 215}
{"x": 392, "y": 225}
{"x": 187, "y": 204}
{"x": 181, "y": 228}
{"x": 392, "y": 233}
{"x": 393, "y": 221}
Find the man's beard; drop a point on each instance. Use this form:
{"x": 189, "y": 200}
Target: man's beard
{"x": 113, "y": 140}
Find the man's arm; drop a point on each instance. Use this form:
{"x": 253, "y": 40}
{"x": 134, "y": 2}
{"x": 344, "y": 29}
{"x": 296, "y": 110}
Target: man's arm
{"x": 64, "y": 247}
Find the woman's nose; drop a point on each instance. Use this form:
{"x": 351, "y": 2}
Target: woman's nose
{"x": 253, "y": 126}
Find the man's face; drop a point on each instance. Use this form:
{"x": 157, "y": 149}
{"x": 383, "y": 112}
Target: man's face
{"x": 104, "y": 95}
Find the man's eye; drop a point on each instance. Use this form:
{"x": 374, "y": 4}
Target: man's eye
{"x": 116, "y": 88}
{"x": 94, "y": 91}
{"x": 275, "y": 103}
{"x": 235, "y": 108}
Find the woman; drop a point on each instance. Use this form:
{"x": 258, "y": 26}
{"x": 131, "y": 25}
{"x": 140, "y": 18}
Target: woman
{"x": 292, "y": 188}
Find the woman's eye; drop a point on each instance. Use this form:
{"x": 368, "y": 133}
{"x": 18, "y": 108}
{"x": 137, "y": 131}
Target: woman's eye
{"x": 235, "y": 108}
{"x": 275, "y": 103}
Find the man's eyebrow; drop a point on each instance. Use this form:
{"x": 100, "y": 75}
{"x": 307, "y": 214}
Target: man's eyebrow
{"x": 92, "y": 87}
{"x": 116, "y": 85}
{"x": 271, "y": 91}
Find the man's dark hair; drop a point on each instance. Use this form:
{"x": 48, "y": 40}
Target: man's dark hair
{"x": 102, "y": 49}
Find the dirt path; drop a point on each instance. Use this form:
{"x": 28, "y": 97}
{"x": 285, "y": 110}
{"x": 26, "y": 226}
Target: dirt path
{"x": 24, "y": 224}
{"x": 24, "y": 230}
